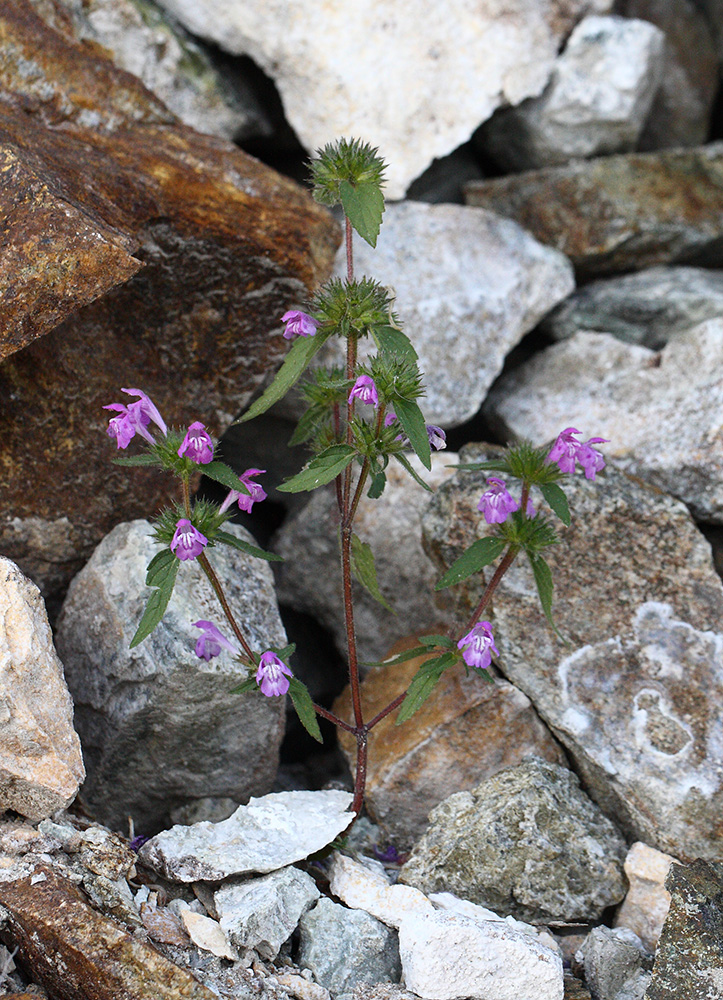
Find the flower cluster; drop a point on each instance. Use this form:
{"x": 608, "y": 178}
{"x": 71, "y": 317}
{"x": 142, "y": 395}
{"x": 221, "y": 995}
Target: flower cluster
{"x": 567, "y": 450}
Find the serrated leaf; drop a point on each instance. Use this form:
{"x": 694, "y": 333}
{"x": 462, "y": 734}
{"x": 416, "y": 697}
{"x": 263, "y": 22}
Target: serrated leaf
{"x": 224, "y": 474}
{"x": 304, "y": 706}
{"x": 403, "y": 460}
{"x": 252, "y": 550}
{"x": 412, "y": 420}
{"x": 376, "y": 488}
{"x": 247, "y": 685}
{"x": 296, "y": 361}
{"x": 423, "y": 684}
{"x": 305, "y": 427}
{"x": 437, "y": 640}
{"x": 285, "y": 652}
{"x": 136, "y": 460}
{"x": 479, "y": 554}
{"x": 364, "y": 205}
{"x": 557, "y": 500}
{"x": 394, "y": 342}
{"x": 365, "y": 571}
{"x": 320, "y": 470}
{"x": 164, "y": 577}
{"x": 543, "y": 580}
{"x": 158, "y": 567}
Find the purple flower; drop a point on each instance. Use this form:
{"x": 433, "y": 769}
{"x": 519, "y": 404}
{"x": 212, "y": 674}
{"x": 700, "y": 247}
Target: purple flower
{"x": 197, "y": 444}
{"x": 272, "y": 675}
{"x": 530, "y": 509}
{"x": 437, "y": 437}
{"x": 590, "y": 459}
{"x": 138, "y": 842}
{"x": 134, "y": 419}
{"x": 567, "y": 450}
{"x": 476, "y": 646}
{"x": 497, "y": 503}
{"x": 211, "y": 641}
{"x": 364, "y": 390}
{"x": 390, "y": 418}
{"x": 187, "y": 542}
{"x": 299, "y": 324}
{"x": 256, "y": 492}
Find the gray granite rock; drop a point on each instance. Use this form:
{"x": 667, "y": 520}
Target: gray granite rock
{"x": 345, "y": 948}
{"x": 633, "y": 695}
{"x": 158, "y": 725}
{"x": 269, "y": 833}
{"x": 526, "y": 842}
{"x": 617, "y": 965}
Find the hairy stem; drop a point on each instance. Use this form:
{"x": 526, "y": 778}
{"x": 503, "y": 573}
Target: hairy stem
{"x": 216, "y": 584}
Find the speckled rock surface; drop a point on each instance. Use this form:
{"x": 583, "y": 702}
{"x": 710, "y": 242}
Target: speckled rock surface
{"x": 634, "y": 696}
{"x": 526, "y": 842}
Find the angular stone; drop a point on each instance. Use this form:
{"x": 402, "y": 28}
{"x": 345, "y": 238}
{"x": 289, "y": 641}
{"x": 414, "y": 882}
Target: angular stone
{"x": 158, "y": 724}
{"x": 661, "y": 411}
{"x": 466, "y": 731}
{"x": 596, "y": 102}
{"x": 619, "y": 213}
{"x": 41, "y": 766}
{"x": 263, "y": 913}
{"x": 207, "y": 934}
{"x": 632, "y": 696}
{"x": 267, "y": 834}
{"x": 362, "y": 888}
{"x": 330, "y": 85}
{"x": 617, "y": 966}
{"x": 526, "y": 842}
{"x": 647, "y": 901}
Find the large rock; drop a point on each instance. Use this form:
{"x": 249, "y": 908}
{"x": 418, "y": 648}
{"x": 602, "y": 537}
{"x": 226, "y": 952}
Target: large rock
{"x": 619, "y": 213}
{"x": 596, "y": 102}
{"x": 172, "y": 257}
{"x": 466, "y": 731}
{"x": 661, "y": 411}
{"x": 447, "y": 68}
{"x": 526, "y": 842}
{"x": 159, "y": 726}
{"x": 40, "y": 760}
{"x": 633, "y": 692}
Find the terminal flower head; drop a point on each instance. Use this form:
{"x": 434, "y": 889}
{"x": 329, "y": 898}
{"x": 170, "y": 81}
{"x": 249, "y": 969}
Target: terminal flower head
{"x": 211, "y": 641}
{"x": 299, "y": 324}
{"x": 246, "y": 500}
{"x": 272, "y": 675}
{"x": 134, "y": 419}
{"x": 477, "y": 646}
{"x": 567, "y": 450}
{"x": 197, "y": 444}
{"x": 497, "y": 503}
{"x": 365, "y": 391}
{"x": 187, "y": 542}
{"x": 437, "y": 437}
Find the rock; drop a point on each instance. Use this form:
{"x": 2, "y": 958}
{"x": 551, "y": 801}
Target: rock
{"x": 631, "y": 694}
{"x": 646, "y": 307}
{"x": 263, "y": 913}
{"x": 662, "y": 411}
{"x": 574, "y": 990}
{"x": 302, "y": 988}
{"x": 41, "y": 766}
{"x": 158, "y": 724}
{"x": 157, "y": 231}
{"x": 363, "y": 888}
{"x": 462, "y": 320}
{"x": 619, "y": 213}
{"x": 688, "y": 961}
{"x": 647, "y": 901}
{"x": 526, "y": 842}
{"x": 345, "y": 948}
{"x": 74, "y": 951}
{"x": 207, "y": 934}
{"x": 329, "y": 83}
{"x": 681, "y": 111}
{"x": 391, "y": 525}
{"x": 596, "y": 102}
{"x": 267, "y": 834}
{"x": 466, "y": 731}
{"x": 450, "y": 903}
{"x": 616, "y": 964}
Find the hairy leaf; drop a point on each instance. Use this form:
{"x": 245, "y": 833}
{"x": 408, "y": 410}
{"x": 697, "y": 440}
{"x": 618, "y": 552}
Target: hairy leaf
{"x": 557, "y": 500}
{"x": 412, "y": 420}
{"x": 364, "y": 205}
{"x": 403, "y": 460}
{"x": 376, "y": 487}
{"x": 392, "y": 341}
{"x": 304, "y": 706}
{"x": 543, "y": 580}
{"x": 479, "y": 554}
{"x": 144, "y": 459}
{"x": 162, "y": 573}
{"x": 252, "y": 550}
{"x": 224, "y": 474}
{"x": 365, "y": 571}
{"x": 423, "y": 684}
{"x": 320, "y": 470}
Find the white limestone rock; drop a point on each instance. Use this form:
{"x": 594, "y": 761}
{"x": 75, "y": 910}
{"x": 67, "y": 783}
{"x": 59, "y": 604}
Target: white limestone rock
{"x": 363, "y": 889}
{"x": 596, "y": 102}
{"x": 269, "y": 833}
{"x": 647, "y": 901}
{"x": 414, "y": 79}
{"x": 41, "y": 766}
{"x": 207, "y": 934}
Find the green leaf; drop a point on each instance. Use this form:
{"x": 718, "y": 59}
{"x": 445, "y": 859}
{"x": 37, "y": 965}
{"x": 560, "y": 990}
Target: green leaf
{"x": 480, "y": 553}
{"x": 412, "y": 420}
{"x": 252, "y": 550}
{"x": 494, "y": 465}
{"x": 321, "y": 469}
{"x": 403, "y": 460}
{"x": 245, "y": 686}
{"x": 543, "y": 580}
{"x": 557, "y": 500}
{"x": 285, "y": 652}
{"x": 437, "y": 640}
{"x": 391, "y": 341}
{"x": 376, "y": 488}
{"x": 364, "y": 569}
{"x": 302, "y": 351}
{"x": 161, "y": 574}
{"x": 364, "y": 204}
{"x": 304, "y": 707}
{"x": 305, "y": 427}
{"x": 136, "y": 460}
{"x": 423, "y": 684}
{"x": 224, "y": 474}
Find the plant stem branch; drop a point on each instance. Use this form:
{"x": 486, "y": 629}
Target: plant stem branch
{"x": 216, "y": 584}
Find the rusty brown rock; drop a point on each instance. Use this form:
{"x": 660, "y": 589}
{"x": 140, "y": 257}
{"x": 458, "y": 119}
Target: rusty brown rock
{"x": 619, "y": 213}
{"x": 466, "y": 731}
{"x": 154, "y": 255}
{"x": 73, "y": 951}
